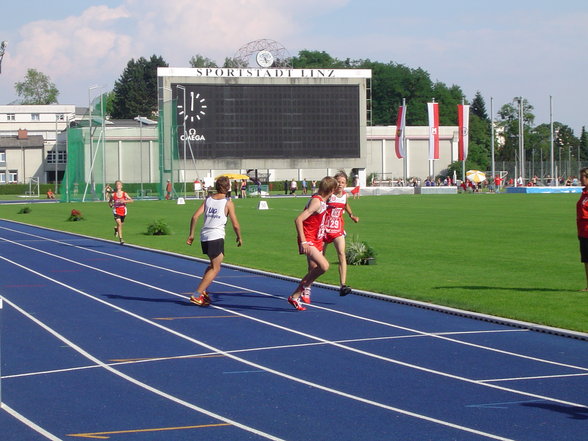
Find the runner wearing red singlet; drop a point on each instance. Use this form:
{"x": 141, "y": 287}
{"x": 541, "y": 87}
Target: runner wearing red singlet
{"x": 118, "y": 202}
{"x": 309, "y": 226}
{"x": 334, "y": 227}
{"x": 582, "y": 222}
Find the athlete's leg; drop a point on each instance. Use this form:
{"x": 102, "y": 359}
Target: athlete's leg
{"x": 210, "y": 273}
{"x": 339, "y": 243}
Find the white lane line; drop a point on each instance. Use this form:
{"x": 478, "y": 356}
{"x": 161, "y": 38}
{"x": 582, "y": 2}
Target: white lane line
{"x": 234, "y": 357}
{"x": 135, "y": 381}
{"x": 538, "y": 377}
{"x": 289, "y": 330}
{"x": 28, "y": 422}
{"x": 378, "y": 322}
{"x": 233, "y": 351}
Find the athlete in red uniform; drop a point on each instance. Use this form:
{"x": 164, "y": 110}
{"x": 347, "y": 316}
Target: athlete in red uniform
{"x": 118, "y": 202}
{"x": 309, "y": 225}
{"x": 582, "y": 222}
{"x": 334, "y": 227}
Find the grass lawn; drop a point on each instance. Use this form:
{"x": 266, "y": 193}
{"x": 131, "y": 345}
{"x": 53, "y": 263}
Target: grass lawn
{"x": 511, "y": 255}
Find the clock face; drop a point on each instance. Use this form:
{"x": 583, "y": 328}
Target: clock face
{"x": 195, "y": 107}
{"x": 264, "y": 58}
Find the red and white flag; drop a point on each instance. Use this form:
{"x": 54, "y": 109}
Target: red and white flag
{"x": 433, "y": 109}
{"x": 399, "y": 143}
{"x": 463, "y": 121}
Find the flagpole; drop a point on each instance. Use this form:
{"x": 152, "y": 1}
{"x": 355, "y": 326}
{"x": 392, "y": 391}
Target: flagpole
{"x": 551, "y": 139}
{"x": 492, "y": 138}
{"x": 404, "y": 171}
{"x": 463, "y": 161}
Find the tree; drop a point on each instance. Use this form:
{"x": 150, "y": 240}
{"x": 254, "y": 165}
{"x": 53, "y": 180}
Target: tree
{"x": 584, "y": 144}
{"x": 201, "y": 61}
{"x": 36, "y": 88}
{"x": 478, "y": 106}
{"x": 135, "y": 92}
{"x": 508, "y": 128}
{"x": 234, "y": 63}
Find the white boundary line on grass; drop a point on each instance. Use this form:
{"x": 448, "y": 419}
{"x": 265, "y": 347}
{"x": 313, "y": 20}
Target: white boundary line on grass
{"x": 219, "y": 351}
{"x": 312, "y": 337}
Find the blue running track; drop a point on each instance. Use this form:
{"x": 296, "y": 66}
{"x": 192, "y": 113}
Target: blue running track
{"x": 98, "y": 341}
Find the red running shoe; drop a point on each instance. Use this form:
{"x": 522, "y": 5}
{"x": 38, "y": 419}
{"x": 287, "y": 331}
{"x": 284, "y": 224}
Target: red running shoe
{"x": 202, "y": 300}
{"x": 296, "y": 304}
{"x": 305, "y": 296}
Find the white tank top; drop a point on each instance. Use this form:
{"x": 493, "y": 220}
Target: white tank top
{"x": 215, "y": 218}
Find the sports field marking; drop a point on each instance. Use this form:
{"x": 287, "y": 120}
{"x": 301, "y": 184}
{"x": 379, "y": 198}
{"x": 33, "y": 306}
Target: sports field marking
{"x": 114, "y": 362}
{"x": 283, "y": 328}
{"x": 103, "y": 435}
{"x": 539, "y": 377}
{"x": 130, "y": 379}
{"x": 195, "y": 317}
{"x": 404, "y": 328}
{"x": 28, "y": 422}
{"x": 255, "y": 365}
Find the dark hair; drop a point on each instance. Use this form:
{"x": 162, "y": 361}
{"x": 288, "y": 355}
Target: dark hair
{"x": 222, "y": 185}
{"x": 327, "y": 185}
{"x": 584, "y": 171}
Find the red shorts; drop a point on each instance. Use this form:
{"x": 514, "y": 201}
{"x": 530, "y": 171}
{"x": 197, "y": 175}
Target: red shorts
{"x": 330, "y": 237}
{"x": 318, "y": 244}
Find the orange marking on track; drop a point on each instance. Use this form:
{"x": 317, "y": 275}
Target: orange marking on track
{"x": 103, "y": 435}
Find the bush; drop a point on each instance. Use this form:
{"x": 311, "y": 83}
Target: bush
{"x": 158, "y": 228}
{"x": 25, "y": 210}
{"x": 75, "y": 216}
{"x": 358, "y": 252}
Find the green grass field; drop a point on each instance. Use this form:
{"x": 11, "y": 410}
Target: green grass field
{"x": 509, "y": 255}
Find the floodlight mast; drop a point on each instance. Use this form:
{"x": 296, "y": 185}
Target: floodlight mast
{"x": 2, "y": 51}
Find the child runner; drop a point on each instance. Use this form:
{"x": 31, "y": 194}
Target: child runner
{"x": 118, "y": 202}
{"x": 334, "y": 231}
{"x": 309, "y": 225}
{"x": 216, "y": 209}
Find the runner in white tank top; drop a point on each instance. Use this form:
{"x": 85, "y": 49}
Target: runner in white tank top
{"x": 215, "y": 219}
{"x": 216, "y": 209}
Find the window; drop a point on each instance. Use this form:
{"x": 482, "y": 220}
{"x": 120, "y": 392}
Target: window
{"x": 35, "y": 116}
{"x": 61, "y": 157}
{"x": 2, "y": 178}
{"x": 10, "y": 117}
{"x": 12, "y": 177}
{"x": 60, "y": 117}
{"x": 2, "y": 156}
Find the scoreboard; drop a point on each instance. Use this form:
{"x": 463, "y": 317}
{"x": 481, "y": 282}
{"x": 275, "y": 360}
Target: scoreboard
{"x": 268, "y": 121}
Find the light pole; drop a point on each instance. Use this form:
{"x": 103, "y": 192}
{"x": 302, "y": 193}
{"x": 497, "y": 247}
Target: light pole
{"x": 56, "y": 151}
{"x": 183, "y": 89}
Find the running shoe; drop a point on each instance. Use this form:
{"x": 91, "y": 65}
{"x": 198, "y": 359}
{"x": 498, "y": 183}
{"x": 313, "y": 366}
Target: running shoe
{"x": 305, "y": 296}
{"x": 344, "y": 290}
{"x": 115, "y": 232}
{"x": 201, "y": 300}
{"x": 296, "y": 304}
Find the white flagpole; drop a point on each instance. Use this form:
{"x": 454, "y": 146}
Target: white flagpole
{"x": 492, "y": 137}
{"x": 551, "y": 140}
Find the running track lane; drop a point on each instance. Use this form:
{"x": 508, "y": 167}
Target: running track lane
{"x": 120, "y": 350}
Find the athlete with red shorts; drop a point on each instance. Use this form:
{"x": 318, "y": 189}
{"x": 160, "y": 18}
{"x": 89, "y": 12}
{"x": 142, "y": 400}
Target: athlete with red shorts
{"x": 309, "y": 226}
{"x": 337, "y": 205}
{"x": 118, "y": 202}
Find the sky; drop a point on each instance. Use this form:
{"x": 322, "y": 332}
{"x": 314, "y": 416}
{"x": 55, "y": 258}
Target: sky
{"x": 501, "y": 48}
